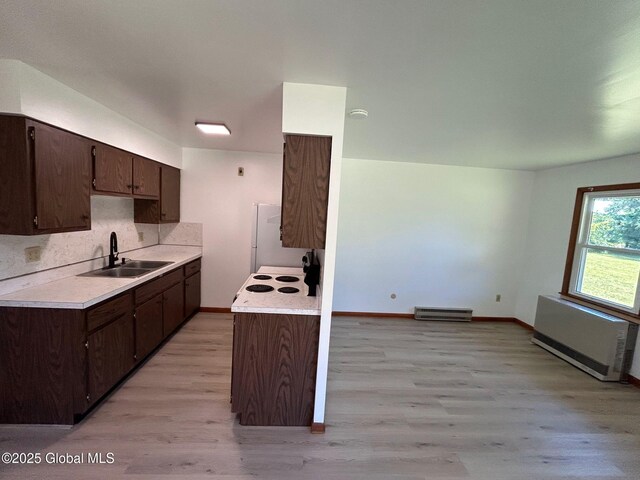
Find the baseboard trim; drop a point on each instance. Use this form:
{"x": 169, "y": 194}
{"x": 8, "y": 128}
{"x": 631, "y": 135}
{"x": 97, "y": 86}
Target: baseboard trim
{"x": 504, "y": 319}
{"x": 410, "y": 315}
{"x": 372, "y": 314}
{"x": 215, "y": 309}
{"x": 633, "y": 381}
{"x": 317, "y": 427}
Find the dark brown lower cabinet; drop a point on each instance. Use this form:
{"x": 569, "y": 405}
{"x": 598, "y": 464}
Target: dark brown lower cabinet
{"x": 173, "y": 308}
{"x": 42, "y": 369}
{"x": 192, "y": 286}
{"x": 55, "y": 364}
{"x": 148, "y": 326}
{"x": 274, "y": 368}
{"x": 110, "y": 354}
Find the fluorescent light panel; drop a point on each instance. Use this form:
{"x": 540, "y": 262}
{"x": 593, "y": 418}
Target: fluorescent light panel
{"x": 213, "y": 128}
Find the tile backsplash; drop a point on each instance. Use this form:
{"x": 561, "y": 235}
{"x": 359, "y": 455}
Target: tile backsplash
{"x": 108, "y": 214}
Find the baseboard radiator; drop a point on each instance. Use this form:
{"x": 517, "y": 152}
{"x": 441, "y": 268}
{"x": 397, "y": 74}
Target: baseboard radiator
{"x": 443, "y": 314}
{"x": 600, "y": 344}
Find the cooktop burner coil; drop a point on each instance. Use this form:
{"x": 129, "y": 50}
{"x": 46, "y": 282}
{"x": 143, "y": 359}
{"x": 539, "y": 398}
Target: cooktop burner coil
{"x": 287, "y": 279}
{"x": 259, "y": 288}
{"x": 288, "y": 290}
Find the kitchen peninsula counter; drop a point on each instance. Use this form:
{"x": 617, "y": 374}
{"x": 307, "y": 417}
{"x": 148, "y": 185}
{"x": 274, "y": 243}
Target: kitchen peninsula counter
{"x": 275, "y": 351}
{"x": 275, "y": 302}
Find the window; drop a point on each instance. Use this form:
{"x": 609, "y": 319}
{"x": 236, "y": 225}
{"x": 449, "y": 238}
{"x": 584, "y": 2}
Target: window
{"x": 603, "y": 262}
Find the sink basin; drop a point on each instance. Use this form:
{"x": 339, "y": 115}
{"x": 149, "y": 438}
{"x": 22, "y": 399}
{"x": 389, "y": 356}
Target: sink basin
{"x": 117, "y": 272}
{"x": 149, "y": 264}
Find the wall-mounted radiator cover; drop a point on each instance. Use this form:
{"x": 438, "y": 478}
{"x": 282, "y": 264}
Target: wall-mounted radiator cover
{"x": 443, "y": 314}
{"x": 600, "y": 344}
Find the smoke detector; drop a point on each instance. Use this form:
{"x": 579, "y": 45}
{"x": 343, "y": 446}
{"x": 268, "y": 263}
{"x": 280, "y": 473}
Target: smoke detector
{"x": 358, "y": 114}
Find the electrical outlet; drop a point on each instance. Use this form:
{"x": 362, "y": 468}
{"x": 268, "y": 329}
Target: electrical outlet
{"x": 240, "y": 171}
{"x": 32, "y": 254}
{"x": 498, "y": 297}
{"x": 141, "y": 236}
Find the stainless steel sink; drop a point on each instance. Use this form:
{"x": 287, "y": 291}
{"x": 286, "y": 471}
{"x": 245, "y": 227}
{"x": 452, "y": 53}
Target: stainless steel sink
{"x": 148, "y": 264}
{"x": 117, "y": 272}
{"x": 130, "y": 269}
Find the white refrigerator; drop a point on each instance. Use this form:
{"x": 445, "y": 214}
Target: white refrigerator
{"x": 266, "y": 247}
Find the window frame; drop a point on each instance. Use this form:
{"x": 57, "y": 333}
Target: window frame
{"x": 579, "y": 230}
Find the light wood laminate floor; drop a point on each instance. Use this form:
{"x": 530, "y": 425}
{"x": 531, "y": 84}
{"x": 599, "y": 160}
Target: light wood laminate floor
{"x": 407, "y": 400}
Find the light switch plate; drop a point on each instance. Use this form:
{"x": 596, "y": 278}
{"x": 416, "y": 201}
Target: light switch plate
{"x": 141, "y": 236}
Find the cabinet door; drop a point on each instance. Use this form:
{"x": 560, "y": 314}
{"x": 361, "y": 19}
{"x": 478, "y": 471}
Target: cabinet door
{"x": 63, "y": 179}
{"x": 305, "y": 191}
{"x": 112, "y": 170}
{"x": 173, "y": 308}
{"x": 191, "y": 295}
{"x": 148, "y": 326}
{"x": 16, "y": 178}
{"x": 274, "y": 368}
{"x": 146, "y": 178}
{"x": 109, "y": 356}
{"x": 170, "y": 195}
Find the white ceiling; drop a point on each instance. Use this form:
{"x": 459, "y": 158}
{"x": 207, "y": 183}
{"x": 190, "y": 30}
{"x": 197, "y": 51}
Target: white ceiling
{"x": 521, "y": 84}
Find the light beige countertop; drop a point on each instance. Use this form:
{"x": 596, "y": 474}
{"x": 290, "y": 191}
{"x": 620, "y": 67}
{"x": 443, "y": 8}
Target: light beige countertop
{"x": 76, "y": 292}
{"x": 275, "y": 302}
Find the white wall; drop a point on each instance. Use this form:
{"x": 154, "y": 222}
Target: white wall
{"x": 30, "y": 92}
{"x": 434, "y": 235}
{"x": 10, "y": 86}
{"x": 554, "y": 194}
{"x": 108, "y": 214}
{"x": 213, "y": 194}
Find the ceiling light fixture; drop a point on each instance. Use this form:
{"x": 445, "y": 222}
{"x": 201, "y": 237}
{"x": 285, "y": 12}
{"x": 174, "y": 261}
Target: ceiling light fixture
{"x": 358, "y": 114}
{"x": 213, "y": 128}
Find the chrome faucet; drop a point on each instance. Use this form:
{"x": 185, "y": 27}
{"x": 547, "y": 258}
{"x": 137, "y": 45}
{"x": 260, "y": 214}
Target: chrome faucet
{"x": 113, "y": 249}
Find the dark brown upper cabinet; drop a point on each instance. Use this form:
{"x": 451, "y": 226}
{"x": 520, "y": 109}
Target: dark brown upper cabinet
{"x": 118, "y": 172}
{"x": 112, "y": 170}
{"x": 167, "y": 209}
{"x": 45, "y": 178}
{"x": 305, "y": 190}
{"x": 146, "y": 178}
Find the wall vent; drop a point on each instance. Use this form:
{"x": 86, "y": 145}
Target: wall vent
{"x": 443, "y": 314}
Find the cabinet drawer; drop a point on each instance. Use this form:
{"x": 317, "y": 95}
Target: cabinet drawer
{"x": 159, "y": 285}
{"x": 192, "y": 267}
{"x": 109, "y": 311}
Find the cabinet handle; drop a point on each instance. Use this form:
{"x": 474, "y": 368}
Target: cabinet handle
{"x": 129, "y": 186}
{"x": 86, "y": 345}
{"x": 136, "y": 187}
{"x": 135, "y": 357}
{"x": 84, "y": 217}
{"x": 88, "y": 397}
